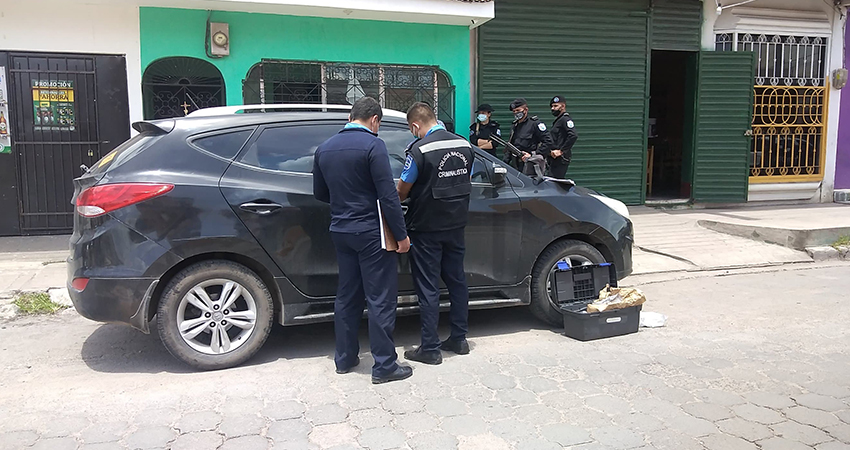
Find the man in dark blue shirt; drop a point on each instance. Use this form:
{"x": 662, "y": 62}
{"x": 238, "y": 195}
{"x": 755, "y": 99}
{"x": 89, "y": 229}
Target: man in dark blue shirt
{"x": 351, "y": 171}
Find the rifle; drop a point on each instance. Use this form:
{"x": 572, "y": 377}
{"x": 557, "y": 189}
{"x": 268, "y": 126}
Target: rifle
{"x": 517, "y": 153}
{"x": 537, "y": 161}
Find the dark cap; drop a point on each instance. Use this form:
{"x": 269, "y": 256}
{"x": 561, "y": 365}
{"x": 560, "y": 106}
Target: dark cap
{"x": 484, "y": 107}
{"x": 558, "y": 99}
{"x": 517, "y": 103}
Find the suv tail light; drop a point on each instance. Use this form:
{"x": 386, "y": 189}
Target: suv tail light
{"x": 99, "y": 200}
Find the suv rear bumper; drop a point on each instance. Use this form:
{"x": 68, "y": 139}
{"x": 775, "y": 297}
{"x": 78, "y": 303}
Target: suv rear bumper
{"x": 123, "y": 268}
{"x": 123, "y": 300}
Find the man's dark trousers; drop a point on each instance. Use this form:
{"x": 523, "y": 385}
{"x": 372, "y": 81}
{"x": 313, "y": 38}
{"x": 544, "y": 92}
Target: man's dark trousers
{"x": 435, "y": 255}
{"x": 558, "y": 169}
{"x": 368, "y": 276}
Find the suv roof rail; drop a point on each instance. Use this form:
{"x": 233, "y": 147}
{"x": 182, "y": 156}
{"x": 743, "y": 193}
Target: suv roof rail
{"x": 271, "y": 108}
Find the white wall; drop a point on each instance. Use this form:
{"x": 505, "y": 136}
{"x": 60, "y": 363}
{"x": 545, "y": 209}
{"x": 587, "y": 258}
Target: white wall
{"x": 53, "y": 26}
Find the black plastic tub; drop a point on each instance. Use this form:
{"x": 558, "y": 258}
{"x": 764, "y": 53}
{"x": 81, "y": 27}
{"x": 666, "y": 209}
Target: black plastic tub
{"x": 576, "y": 287}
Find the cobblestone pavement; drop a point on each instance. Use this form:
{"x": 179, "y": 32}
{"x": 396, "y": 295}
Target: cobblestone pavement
{"x": 746, "y": 361}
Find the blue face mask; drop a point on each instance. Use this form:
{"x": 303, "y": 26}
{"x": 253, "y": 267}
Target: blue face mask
{"x": 482, "y": 117}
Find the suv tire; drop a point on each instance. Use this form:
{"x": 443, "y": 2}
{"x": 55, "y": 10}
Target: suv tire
{"x": 225, "y": 311}
{"x": 542, "y": 306}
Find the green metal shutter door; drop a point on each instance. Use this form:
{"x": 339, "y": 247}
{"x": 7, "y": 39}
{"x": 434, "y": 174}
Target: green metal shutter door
{"x": 594, "y": 52}
{"x": 724, "y": 114}
{"x": 676, "y": 25}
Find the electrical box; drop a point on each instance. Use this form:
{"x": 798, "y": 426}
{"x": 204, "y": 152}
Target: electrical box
{"x": 219, "y": 44}
{"x": 839, "y": 78}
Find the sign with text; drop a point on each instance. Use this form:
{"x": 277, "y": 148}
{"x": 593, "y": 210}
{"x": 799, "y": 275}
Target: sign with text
{"x": 53, "y": 105}
{"x": 5, "y": 129}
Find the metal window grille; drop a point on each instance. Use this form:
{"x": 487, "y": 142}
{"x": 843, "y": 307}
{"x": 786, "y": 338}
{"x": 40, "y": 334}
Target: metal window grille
{"x": 789, "y": 110}
{"x": 176, "y": 86}
{"x": 394, "y": 86}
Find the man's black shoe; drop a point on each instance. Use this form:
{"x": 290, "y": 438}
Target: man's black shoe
{"x": 400, "y": 373}
{"x": 461, "y": 347}
{"x": 433, "y": 358}
{"x": 344, "y": 371}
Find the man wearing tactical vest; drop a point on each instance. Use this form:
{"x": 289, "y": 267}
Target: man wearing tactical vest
{"x": 529, "y": 135}
{"x": 436, "y": 178}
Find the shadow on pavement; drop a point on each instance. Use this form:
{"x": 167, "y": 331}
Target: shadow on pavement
{"x": 121, "y": 349}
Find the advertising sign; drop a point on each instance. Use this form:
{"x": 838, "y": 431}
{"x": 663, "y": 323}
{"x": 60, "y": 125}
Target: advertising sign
{"x": 53, "y": 105}
{"x": 5, "y": 130}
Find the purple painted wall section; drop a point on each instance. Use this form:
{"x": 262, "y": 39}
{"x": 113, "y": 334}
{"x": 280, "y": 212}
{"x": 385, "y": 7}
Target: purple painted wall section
{"x": 842, "y": 165}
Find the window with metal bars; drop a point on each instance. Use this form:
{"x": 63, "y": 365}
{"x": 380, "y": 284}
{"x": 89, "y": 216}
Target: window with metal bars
{"x": 394, "y": 86}
{"x": 176, "y": 86}
{"x": 789, "y": 115}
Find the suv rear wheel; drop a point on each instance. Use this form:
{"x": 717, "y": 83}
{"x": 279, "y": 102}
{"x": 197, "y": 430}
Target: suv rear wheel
{"x": 215, "y": 315}
{"x": 577, "y": 253}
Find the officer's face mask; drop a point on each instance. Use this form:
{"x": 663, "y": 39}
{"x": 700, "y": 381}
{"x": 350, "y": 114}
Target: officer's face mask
{"x": 556, "y": 112}
{"x": 482, "y": 117}
{"x": 519, "y": 115}
{"x": 414, "y": 130}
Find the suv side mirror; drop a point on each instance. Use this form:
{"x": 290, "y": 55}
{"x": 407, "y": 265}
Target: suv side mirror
{"x": 499, "y": 175}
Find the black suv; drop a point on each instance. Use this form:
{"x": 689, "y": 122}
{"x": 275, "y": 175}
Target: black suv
{"x": 209, "y": 224}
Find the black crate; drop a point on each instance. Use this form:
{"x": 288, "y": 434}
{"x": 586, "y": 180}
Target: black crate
{"x": 581, "y": 283}
{"x": 575, "y": 287}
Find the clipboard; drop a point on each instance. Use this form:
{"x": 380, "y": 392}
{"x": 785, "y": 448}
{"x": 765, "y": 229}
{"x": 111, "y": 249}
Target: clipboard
{"x": 388, "y": 241}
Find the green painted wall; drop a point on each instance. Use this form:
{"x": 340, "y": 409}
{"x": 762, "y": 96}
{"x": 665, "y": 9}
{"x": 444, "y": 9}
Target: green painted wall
{"x": 180, "y": 32}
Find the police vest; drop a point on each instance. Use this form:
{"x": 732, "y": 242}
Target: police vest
{"x": 439, "y": 199}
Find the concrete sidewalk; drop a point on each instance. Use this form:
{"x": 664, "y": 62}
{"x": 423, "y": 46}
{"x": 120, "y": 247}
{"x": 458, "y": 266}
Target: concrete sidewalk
{"x": 711, "y": 239}
{"x": 666, "y": 241}
{"x": 32, "y": 263}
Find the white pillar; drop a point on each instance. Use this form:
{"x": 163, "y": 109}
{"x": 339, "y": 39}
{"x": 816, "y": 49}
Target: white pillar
{"x": 709, "y": 14}
{"x": 836, "y": 61}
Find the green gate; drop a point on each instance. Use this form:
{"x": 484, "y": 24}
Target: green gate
{"x": 595, "y": 54}
{"x": 723, "y": 118}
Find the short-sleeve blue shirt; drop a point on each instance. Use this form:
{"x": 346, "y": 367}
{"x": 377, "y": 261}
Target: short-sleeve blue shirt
{"x": 411, "y": 172}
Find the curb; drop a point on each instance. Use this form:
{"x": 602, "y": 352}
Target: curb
{"x": 823, "y": 254}
{"x": 795, "y": 239}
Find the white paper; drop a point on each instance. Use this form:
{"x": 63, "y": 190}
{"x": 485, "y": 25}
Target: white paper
{"x": 381, "y": 226}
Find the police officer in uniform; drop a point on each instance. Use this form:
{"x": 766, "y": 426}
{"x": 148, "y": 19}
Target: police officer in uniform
{"x": 436, "y": 179}
{"x": 565, "y": 136}
{"x": 483, "y": 128}
{"x": 351, "y": 171}
{"x": 529, "y": 135}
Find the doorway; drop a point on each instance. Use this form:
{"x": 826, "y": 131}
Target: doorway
{"x": 65, "y": 112}
{"x": 670, "y": 137}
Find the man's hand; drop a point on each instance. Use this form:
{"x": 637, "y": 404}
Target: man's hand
{"x": 404, "y": 246}
{"x": 482, "y": 142}
{"x": 556, "y": 153}
{"x": 525, "y": 156}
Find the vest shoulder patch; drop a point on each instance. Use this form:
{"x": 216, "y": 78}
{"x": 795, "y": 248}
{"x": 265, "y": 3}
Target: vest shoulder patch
{"x": 541, "y": 126}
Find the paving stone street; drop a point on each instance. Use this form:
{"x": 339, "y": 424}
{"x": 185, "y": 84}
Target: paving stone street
{"x": 753, "y": 360}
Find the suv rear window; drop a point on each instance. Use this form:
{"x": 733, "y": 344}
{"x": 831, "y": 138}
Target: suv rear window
{"x": 291, "y": 148}
{"x": 225, "y": 145}
{"x": 124, "y": 152}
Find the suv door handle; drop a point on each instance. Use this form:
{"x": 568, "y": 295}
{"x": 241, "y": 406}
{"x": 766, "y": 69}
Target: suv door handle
{"x": 263, "y": 209}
